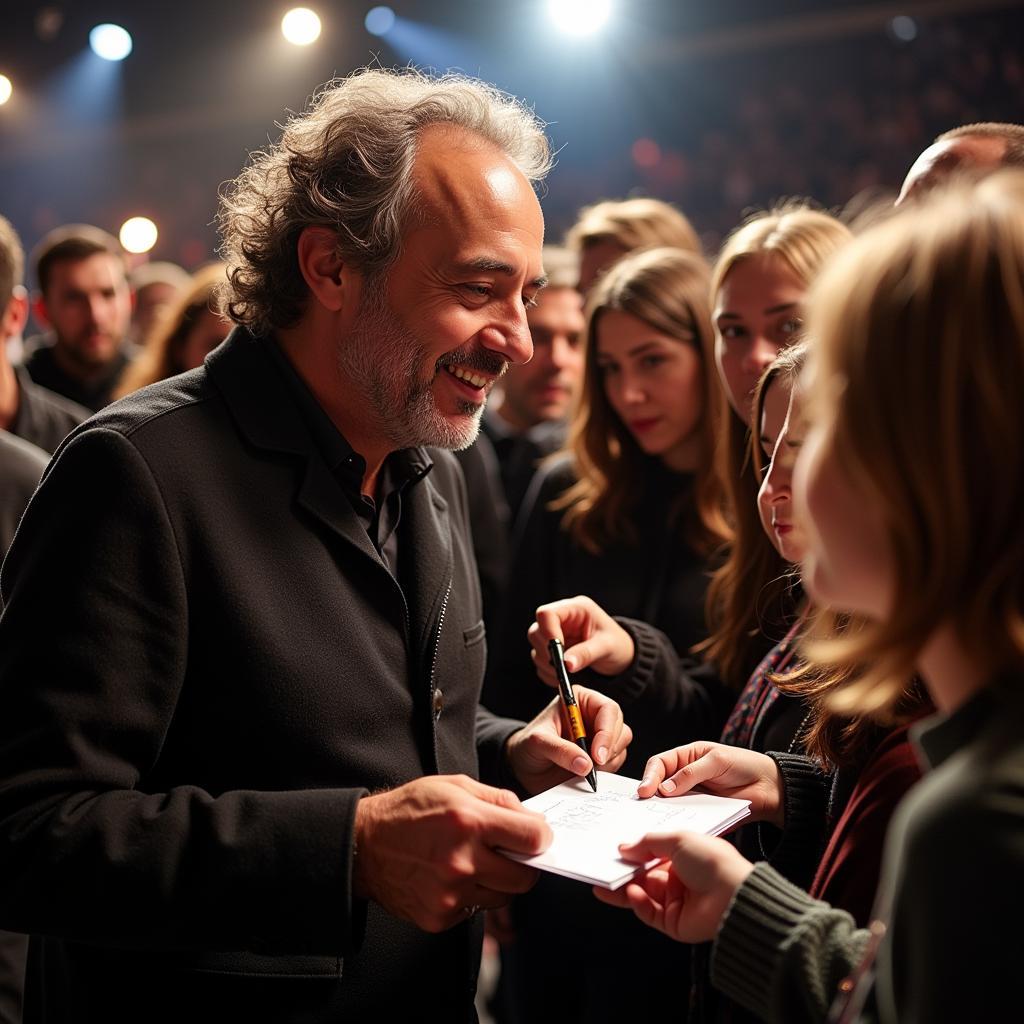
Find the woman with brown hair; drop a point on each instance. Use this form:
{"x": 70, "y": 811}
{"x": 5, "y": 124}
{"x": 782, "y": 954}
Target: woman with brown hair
{"x": 631, "y": 512}
{"x": 183, "y": 335}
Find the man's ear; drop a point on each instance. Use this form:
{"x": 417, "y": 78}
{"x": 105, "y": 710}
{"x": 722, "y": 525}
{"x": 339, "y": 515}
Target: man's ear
{"x": 323, "y": 268}
{"x": 15, "y": 314}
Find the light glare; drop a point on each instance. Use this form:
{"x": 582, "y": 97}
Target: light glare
{"x": 138, "y": 234}
{"x": 380, "y": 21}
{"x": 301, "y": 26}
{"x": 904, "y": 28}
{"x": 5, "y": 89}
{"x": 111, "y": 42}
{"x": 579, "y": 17}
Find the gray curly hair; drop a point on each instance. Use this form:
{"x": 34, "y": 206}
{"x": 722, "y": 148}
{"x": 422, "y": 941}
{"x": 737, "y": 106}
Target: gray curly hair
{"x": 346, "y": 163}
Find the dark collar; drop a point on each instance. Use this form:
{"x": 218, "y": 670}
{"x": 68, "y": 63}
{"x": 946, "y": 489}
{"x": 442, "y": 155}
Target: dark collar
{"x": 277, "y": 412}
{"x": 940, "y": 736}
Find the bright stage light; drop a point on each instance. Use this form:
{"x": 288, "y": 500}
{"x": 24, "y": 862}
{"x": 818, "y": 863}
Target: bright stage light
{"x": 138, "y": 234}
{"x": 301, "y": 26}
{"x": 904, "y": 28}
{"x": 579, "y": 17}
{"x": 380, "y": 21}
{"x": 5, "y": 89}
{"x": 111, "y": 42}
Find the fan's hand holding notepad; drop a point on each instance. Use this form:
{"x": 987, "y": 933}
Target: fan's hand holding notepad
{"x": 589, "y": 826}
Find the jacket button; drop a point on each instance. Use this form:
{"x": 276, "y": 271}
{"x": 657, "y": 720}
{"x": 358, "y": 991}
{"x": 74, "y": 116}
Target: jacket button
{"x": 438, "y": 702}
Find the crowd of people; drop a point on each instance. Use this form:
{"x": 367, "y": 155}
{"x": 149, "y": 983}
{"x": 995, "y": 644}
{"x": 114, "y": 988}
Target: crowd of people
{"x": 273, "y": 660}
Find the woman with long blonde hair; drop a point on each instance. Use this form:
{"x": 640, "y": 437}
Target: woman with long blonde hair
{"x": 758, "y": 286}
{"x": 911, "y": 481}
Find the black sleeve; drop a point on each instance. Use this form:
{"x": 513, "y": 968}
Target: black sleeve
{"x": 93, "y": 660}
{"x": 667, "y": 699}
{"x": 511, "y": 687}
{"x": 489, "y": 522}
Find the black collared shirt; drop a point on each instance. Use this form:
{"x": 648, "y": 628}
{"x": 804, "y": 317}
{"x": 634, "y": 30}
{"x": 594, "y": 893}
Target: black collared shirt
{"x": 379, "y": 514}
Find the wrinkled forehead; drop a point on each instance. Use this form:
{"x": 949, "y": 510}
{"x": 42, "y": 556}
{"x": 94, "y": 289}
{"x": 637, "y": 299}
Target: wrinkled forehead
{"x": 463, "y": 179}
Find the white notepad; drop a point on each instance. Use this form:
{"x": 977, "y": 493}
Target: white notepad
{"x": 589, "y": 826}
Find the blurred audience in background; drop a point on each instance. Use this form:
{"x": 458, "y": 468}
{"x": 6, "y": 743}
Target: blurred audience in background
{"x": 85, "y": 303}
{"x": 155, "y": 286}
{"x": 35, "y": 414}
{"x": 182, "y": 334}
{"x": 607, "y": 231}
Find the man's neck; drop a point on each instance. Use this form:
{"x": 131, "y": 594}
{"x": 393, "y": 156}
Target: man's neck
{"x": 340, "y": 399}
{"x": 9, "y": 392}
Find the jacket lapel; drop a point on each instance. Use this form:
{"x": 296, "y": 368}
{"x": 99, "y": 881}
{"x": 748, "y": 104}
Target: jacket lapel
{"x": 428, "y": 560}
{"x": 267, "y": 417}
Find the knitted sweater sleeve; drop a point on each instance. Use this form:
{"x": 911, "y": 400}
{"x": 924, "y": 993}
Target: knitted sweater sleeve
{"x": 780, "y": 953}
{"x": 796, "y": 850}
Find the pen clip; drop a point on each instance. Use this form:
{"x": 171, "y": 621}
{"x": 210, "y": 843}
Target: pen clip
{"x": 555, "y": 653}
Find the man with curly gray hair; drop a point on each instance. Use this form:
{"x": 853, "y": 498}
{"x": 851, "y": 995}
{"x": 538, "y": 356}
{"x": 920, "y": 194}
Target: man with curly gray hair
{"x": 242, "y": 648}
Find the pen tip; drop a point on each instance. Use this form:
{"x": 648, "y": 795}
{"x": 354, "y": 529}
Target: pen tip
{"x": 592, "y": 779}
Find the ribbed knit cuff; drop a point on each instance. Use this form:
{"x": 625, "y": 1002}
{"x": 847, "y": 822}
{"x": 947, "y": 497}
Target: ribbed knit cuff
{"x": 764, "y": 913}
{"x": 630, "y": 684}
{"x": 795, "y": 852}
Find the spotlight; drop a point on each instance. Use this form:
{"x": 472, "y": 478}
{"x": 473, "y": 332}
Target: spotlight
{"x": 5, "y": 89}
{"x": 111, "y": 42}
{"x": 903, "y": 28}
{"x": 301, "y": 26}
{"x": 138, "y": 234}
{"x": 579, "y": 17}
{"x": 380, "y": 21}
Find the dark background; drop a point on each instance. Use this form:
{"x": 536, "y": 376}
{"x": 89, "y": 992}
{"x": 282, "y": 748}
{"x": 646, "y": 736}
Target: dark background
{"x": 736, "y": 103}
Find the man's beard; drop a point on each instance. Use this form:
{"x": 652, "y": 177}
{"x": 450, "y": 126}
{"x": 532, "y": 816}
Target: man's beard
{"x": 384, "y": 360}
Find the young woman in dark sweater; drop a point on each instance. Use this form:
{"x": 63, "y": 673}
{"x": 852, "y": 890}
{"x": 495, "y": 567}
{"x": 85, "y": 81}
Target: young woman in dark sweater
{"x": 919, "y": 354}
{"x": 631, "y": 510}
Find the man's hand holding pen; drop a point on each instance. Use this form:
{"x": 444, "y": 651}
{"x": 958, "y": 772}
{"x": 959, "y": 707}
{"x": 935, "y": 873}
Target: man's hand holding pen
{"x": 545, "y": 753}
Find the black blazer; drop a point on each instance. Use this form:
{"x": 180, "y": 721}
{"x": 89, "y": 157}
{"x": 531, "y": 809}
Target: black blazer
{"x": 203, "y": 666}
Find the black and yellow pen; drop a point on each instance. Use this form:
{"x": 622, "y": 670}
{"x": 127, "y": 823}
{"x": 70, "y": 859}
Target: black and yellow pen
{"x": 572, "y": 709}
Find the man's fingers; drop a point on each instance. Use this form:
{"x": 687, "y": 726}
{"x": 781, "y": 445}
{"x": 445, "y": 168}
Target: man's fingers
{"x": 489, "y": 794}
{"x": 562, "y": 753}
{"x": 498, "y": 873}
{"x": 609, "y": 735}
{"x": 505, "y": 823}
{"x": 519, "y": 831}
